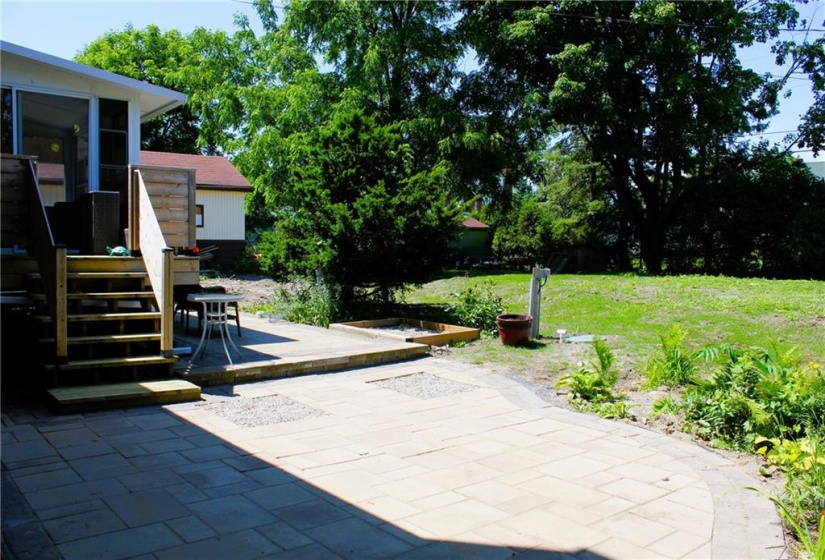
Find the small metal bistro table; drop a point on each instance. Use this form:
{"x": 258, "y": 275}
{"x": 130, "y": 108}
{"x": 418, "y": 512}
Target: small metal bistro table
{"x": 214, "y": 314}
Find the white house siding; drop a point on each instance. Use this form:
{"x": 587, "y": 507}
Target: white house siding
{"x": 223, "y": 215}
{"x": 817, "y": 168}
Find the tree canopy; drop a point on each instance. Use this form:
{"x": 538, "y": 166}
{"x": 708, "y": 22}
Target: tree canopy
{"x": 574, "y": 121}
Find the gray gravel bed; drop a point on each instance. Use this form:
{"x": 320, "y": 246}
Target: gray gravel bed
{"x": 423, "y": 385}
{"x": 262, "y": 411}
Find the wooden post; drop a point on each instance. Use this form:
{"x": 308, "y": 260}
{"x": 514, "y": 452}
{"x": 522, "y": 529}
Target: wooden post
{"x": 61, "y": 309}
{"x": 167, "y": 304}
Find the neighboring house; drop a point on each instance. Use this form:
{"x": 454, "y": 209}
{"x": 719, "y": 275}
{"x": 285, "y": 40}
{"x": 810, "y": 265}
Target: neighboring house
{"x": 473, "y": 243}
{"x": 220, "y": 196}
{"x": 817, "y": 168}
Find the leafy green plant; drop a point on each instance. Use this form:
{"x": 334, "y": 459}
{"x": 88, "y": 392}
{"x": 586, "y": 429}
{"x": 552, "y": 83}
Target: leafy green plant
{"x": 756, "y": 392}
{"x": 672, "y": 365}
{"x": 615, "y": 410}
{"x": 666, "y": 405}
{"x": 593, "y": 385}
{"x": 308, "y": 303}
{"x": 477, "y": 308}
{"x": 802, "y": 505}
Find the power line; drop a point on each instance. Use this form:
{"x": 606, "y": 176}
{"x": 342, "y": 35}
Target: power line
{"x": 677, "y": 24}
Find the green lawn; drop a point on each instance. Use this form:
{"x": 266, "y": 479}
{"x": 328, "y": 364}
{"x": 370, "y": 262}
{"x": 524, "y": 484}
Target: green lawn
{"x": 631, "y": 312}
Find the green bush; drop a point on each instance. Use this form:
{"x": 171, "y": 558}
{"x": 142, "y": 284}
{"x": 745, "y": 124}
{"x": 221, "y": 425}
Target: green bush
{"x": 672, "y": 365}
{"x": 756, "y": 392}
{"x": 307, "y": 303}
{"x": 802, "y": 506}
{"x": 477, "y": 308}
{"x": 592, "y": 386}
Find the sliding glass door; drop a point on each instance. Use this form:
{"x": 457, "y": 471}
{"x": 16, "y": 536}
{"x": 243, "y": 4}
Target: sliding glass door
{"x": 56, "y": 129}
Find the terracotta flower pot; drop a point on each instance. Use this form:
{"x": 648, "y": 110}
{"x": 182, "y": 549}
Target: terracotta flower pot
{"x": 514, "y": 329}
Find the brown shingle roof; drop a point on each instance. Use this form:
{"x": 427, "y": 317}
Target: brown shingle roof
{"x": 214, "y": 172}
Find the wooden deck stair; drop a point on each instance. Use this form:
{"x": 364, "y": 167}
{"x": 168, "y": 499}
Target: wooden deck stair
{"x": 113, "y": 325}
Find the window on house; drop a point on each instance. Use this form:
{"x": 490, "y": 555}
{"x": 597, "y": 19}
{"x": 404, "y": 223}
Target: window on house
{"x": 199, "y": 215}
{"x": 55, "y": 128}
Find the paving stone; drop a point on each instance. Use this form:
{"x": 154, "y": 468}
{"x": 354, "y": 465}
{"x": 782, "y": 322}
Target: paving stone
{"x": 457, "y": 518}
{"x": 127, "y": 543}
{"x": 74, "y": 493}
{"x": 47, "y": 479}
{"x": 77, "y": 435}
{"x": 82, "y": 525}
{"x": 313, "y": 513}
{"x": 218, "y": 476}
{"x": 231, "y": 513}
{"x": 155, "y": 479}
{"x": 354, "y": 538}
{"x": 17, "y": 454}
{"x": 277, "y": 497}
{"x": 105, "y": 466}
{"x": 146, "y": 506}
{"x": 28, "y": 541}
{"x": 310, "y": 552}
{"x": 86, "y": 450}
{"x": 284, "y": 535}
{"x": 190, "y": 528}
{"x": 633, "y": 528}
{"x": 211, "y": 453}
{"x": 243, "y": 545}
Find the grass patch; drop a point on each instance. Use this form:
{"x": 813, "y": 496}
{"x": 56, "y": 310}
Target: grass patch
{"x": 633, "y": 312}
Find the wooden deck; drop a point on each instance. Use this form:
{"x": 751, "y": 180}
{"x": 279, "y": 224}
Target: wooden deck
{"x": 283, "y": 349}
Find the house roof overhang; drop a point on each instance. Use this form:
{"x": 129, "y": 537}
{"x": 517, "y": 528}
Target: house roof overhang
{"x": 153, "y": 100}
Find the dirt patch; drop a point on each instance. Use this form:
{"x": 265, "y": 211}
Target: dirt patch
{"x": 257, "y": 290}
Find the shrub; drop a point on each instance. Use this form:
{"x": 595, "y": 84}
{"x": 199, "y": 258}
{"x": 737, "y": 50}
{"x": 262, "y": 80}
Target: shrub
{"x": 307, "y": 303}
{"x": 672, "y": 365}
{"x": 756, "y": 392}
{"x": 592, "y": 386}
{"x": 477, "y": 309}
{"x": 802, "y": 506}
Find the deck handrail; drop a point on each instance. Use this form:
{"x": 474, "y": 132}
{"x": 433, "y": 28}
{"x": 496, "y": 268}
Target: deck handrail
{"x": 51, "y": 262}
{"x": 157, "y": 256}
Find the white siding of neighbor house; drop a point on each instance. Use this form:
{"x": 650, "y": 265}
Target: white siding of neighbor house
{"x": 223, "y": 215}
{"x": 817, "y": 168}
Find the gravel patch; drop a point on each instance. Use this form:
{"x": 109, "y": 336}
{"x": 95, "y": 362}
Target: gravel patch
{"x": 423, "y": 385}
{"x": 262, "y": 411}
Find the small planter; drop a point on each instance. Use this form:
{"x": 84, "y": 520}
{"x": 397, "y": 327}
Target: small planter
{"x": 514, "y": 329}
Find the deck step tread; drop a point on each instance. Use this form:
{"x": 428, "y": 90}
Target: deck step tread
{"x": 101, "y": 295}
{"x": 106, "y": 338}
{"x": 125, "y": 361}
{"x": 139, "y": 392}
{"x": 96, "y": 275}
{"x": 104, "y": 316}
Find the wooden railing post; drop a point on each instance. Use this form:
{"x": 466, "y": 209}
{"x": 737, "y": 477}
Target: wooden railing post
{"x": 60, "y": 307}
{"x": 167, "y": 304}
{"x": 133, "y": 210}
{"x": 51, "y": 263}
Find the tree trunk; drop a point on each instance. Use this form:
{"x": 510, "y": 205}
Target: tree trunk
{"x": 651, "y": 245}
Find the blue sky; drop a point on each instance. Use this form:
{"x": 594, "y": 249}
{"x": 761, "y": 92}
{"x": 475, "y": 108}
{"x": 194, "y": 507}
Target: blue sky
{"x": 63, "y": 28}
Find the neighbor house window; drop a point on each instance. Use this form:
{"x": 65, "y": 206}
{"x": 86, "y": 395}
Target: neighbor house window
{"x": 199, "y": 215}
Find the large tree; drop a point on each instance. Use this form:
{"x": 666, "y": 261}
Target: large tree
{"x": 655, "y": 88}
{"x": 211, "y": 67}
{"x": 355, "y": 209}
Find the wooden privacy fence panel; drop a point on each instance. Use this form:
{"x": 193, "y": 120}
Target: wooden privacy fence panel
{"x": 172, "y": 193}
